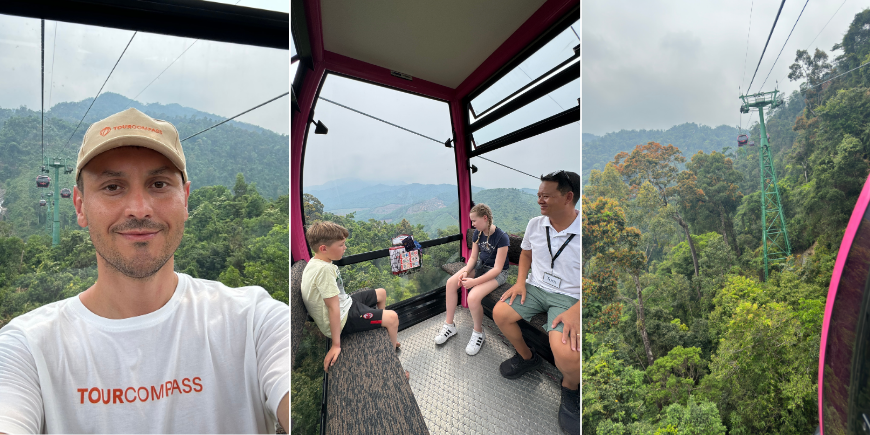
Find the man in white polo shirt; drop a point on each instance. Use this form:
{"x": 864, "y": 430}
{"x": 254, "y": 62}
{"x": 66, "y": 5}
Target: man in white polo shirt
{"x": 551, "y": 248}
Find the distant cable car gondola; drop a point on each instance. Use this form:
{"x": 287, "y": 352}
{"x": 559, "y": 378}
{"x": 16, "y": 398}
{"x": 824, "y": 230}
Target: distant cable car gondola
{"x": 42, "y": 203}
{"x": 65, "y": 193}
{"x": 742, "y": 140}
{"x": 752, "y": 144}
{"x": 42, "y": 181}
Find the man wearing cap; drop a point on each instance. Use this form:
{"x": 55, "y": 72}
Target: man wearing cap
{"x": 145, "y": 349}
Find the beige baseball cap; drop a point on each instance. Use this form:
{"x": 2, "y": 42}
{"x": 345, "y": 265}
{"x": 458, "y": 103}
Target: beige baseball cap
{"x": 132, "y": 128}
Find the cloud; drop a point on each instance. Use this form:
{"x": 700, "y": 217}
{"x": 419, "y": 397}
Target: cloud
{"x": 220, "y": 78}
{"x": 661, "y": 63}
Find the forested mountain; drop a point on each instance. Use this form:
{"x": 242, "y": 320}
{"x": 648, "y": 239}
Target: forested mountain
{"x": 689, "y": 138}
{"x": 681, "y": 332}
{"x": 434, "y": 206}
{"x": 214, "y": 157}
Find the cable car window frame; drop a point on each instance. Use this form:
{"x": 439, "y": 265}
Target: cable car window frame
{"x": 516, "y": 66}
{"x": 557, "y": 28}
{"x": 553, "y": 122}
{"x": 380, "y": 253}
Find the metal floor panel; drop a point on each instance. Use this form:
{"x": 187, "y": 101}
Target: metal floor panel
{"x": 461, "y": 394}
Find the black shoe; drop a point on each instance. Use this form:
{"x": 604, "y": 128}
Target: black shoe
{"x": 569, "y": 411}
{"x": 516, "y": 366}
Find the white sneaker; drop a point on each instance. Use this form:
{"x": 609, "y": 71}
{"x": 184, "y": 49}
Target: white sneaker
{"x": 475, "y": 342}
{"x": 447, "y": 331}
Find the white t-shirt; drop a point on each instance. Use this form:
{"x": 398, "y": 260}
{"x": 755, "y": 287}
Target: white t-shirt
{"x": 567, "y": 265}
{"x": 214, "y": 359}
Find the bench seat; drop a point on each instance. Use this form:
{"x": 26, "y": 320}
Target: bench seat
{"x": 367, "y": 392}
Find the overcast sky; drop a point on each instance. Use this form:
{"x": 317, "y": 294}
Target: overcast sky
{"x": 220, "y": 78}
{"x": 659, "y": 63}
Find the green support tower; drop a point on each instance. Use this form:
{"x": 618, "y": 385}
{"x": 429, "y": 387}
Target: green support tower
{"x": 57, "y": 163}
{"x": 774, "y": 233}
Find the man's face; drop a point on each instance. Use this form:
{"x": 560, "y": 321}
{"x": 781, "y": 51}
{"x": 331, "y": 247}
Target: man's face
{"x": 134, "y": 206}
{"x": 551, "y": 200}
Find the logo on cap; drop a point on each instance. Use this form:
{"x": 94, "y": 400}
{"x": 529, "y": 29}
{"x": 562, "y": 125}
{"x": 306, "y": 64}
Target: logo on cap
{"x": 105, "y": 131}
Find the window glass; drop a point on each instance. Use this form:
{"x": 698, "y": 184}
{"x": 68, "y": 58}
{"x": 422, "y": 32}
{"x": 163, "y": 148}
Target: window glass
{"x": 237, "y": 231}
{"x": 377, "y": 180}
{"x": 293, "y": 50}
{"x": 269, "y": 5}
{"x": 546, "y": 58}
{"x": 555, "y": 102}
{"x": 294, "y": 68}
{"x": 430, "y": 276}
{"x": 511, "y": 195}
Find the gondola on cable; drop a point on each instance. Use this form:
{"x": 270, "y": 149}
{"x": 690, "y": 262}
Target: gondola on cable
{"x": 65, "y": 193}
{"x": 43, "y": 181}
{"x": 500, "y": 74}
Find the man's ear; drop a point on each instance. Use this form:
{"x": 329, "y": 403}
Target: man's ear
{"x": 78, "y": 202}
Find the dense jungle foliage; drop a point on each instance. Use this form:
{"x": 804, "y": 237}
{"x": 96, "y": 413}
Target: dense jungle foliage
{"x": 681, "y": 333}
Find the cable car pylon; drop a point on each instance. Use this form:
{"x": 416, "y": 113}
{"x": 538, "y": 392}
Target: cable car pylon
{"x": 774, "y": 233}
{"x": 57, "y": 163}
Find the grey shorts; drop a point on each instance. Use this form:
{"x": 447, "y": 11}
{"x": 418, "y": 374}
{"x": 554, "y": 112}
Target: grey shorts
{"x": 500, "y": 279}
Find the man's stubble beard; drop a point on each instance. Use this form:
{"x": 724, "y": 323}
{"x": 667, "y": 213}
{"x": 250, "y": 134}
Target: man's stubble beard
{"x": 138, "y": 267}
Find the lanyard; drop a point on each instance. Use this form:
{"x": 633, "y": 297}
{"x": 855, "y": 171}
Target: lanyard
{"x": 554, "y": 257}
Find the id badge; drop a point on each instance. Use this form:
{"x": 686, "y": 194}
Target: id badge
{"x": 552, "y": 280}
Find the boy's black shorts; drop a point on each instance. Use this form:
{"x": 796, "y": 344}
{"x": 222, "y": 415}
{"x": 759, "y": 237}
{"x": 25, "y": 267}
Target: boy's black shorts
{"x": 364, "y": 314}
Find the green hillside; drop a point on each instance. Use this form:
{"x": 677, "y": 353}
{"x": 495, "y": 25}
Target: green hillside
{"x": 213, "y": 158}
{"x": 512, "y": 209}
{"x": 689, "y": 138}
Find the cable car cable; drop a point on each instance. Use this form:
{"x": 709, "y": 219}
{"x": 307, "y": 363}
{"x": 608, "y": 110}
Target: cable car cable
{"x": 53, "y": 45}
{"x": 101, "y": 90}
{"x": 820, "y": 32}
{"x": 746, "y": 53}
{"x": 418, "y": 134}
{"x": 164, "y": 70}
{"x": 832, "y": 78}
{"x": 379, "y": 119}
{"x": 575, "y": 33}
{"x": 240, "y": 114}
{"x": 765, "y": 45}
{"x": 506, "y": 166}
{"x": 170, "y": 64}
{"x": 783, "y": 45}
{"x": 42, "y": 86}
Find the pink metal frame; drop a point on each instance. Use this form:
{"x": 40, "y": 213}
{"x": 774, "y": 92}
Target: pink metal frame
{"x": 848, "y": 238}
{"x": 325, "y": 61}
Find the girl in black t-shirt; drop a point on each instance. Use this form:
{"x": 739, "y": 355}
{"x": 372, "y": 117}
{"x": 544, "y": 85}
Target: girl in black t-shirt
{"x": 486, "y": 270}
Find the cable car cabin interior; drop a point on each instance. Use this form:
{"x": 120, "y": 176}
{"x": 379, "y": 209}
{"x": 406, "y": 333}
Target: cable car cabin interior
{"x": 418, "y": 112}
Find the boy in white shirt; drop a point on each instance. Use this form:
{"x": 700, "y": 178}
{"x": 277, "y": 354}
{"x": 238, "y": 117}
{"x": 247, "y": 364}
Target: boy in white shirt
{"x": 329, "y": 305}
